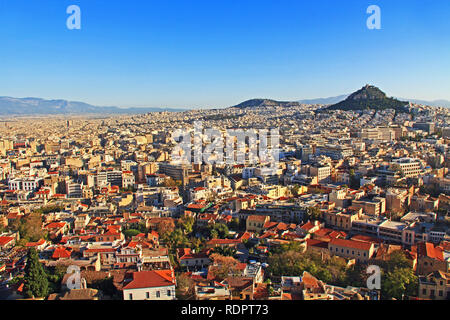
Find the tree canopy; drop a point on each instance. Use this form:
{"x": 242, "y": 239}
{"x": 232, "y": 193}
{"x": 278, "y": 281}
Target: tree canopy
{"x": 35, "y": 280}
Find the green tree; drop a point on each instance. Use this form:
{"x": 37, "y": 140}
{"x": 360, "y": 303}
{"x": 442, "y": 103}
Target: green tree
{"x": 399, "y": 283}
{"x": 313, "y": 213}
{"x": 177, "y": 239}
{"x": 187, "y": 224}
{"x": 214, "y": 234}
{"x": 30, "y": 227}
{"x": 35, "y": 280}
{"x": 219, "y": 230}
{"x": 226, "y": 251}
{"x": 131, "y": 233}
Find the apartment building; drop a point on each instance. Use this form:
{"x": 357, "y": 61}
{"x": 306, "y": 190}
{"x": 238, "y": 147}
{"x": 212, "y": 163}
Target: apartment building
{"x": 322, "y": 172}
{"x": 150, "y": 285}
{"x": 435, "y": 286}
{"x": 361, "y": 251}
{"x": 431, "y": 258}
{"x": 25, "y": 184}
{"x": 375, "y": 206}
{"x": 342, "y": 219}
{"x": 408, "y": 167}
{"x": 256, "y": 223}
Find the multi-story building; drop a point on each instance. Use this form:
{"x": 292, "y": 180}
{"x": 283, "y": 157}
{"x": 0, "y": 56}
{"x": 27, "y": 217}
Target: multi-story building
{"x": 322, "y": 172}
{"x": 150, "y": 285}
{"x": 342, "y": 219}
{"x": 361, "y": 251}
{"x": 375, "y": 206}
{"x": 74, "y": 189}
{"x": 431, "y": 258}
{"x": 408, "y": 167}
{"x": 26, "y": 184}
{"x": 335, "y": 152}
{"x": 435, "y": 286}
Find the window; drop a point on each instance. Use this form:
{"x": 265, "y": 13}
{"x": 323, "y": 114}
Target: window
{"x": 169, "y": 293}
{"x": 130, "y": 296}
{"x": 424, "y": 291}
{"x": 147, "y": 295}
{"x": 158, "y": 294}
{"x": 441, "y": 293}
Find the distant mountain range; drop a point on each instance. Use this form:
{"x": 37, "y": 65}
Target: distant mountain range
{"x": 37, "y": 106}
{"x": 434, "y": 103}
{"x": 330, "y": 100}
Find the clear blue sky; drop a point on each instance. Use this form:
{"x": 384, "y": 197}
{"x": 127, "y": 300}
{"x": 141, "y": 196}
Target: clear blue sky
{"x": 217, "y": 53}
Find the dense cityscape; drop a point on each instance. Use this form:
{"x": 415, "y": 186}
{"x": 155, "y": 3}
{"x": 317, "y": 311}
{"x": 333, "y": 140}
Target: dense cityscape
{"x": 95, "y": 207}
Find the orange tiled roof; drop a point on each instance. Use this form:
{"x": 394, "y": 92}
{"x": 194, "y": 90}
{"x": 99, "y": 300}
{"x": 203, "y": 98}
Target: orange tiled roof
{"x": 151, "y": 279}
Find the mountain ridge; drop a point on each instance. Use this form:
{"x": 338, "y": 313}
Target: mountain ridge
{"x": 39, "y": 106}
{"x": 28, "y": 106}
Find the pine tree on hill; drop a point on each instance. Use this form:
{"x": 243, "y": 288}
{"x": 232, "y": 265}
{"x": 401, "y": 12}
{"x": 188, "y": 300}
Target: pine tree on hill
{"x": 36, "y": 281}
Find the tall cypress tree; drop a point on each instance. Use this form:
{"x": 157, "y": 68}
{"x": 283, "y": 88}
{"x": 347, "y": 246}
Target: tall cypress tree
{"x": 36, "y": 281}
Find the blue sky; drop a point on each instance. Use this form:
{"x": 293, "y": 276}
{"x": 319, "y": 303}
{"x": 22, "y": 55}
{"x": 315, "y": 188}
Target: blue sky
{"x": 217, "y": 53}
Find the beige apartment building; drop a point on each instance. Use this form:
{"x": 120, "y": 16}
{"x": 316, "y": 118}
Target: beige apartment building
{"x": 435, "y": 286}
{"x": 323, "y": 173}
{"x": 361, "y": 251}
{"x": 255, "y": 223}
{"x": 342, "y": 219}
{"x": 375, "y": 206}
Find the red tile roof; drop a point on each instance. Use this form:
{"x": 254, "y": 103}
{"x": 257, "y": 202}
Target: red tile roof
{"x": 361, "y": 245}
{"x": 61, "y": 252}
{"x": 223, "y": 241}
{"x": 429, "y": 250}
{"x": 5, "y": 240}
{"x": 35, "y": 244}
{"x": 316, "y": 243}
{"x": 151, "y": 279}
{"x": 56, "y": 225}
{"x": 257, "y": 218}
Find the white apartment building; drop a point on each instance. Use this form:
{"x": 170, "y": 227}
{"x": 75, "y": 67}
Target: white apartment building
{"x": 150, "y": 285}
{"x": 26, "y": 184}
{"x": 409, "y": 167}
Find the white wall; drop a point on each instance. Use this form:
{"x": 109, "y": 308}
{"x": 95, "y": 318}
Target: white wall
{"x": 140, "y": 294}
